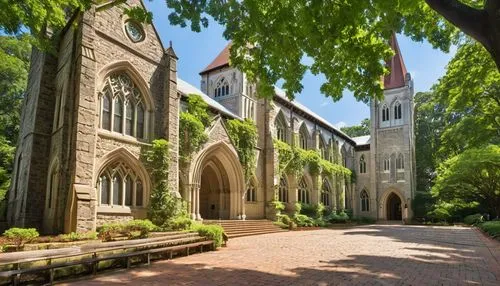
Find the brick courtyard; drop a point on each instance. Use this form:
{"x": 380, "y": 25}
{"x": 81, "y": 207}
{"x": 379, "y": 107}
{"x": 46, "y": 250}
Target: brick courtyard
{"x": 371, "y": 255}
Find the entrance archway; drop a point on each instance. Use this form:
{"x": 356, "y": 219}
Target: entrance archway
{"x": 393, "y": 207}
{"x": 217, "y": 185}
{"x": 214, "y": 197}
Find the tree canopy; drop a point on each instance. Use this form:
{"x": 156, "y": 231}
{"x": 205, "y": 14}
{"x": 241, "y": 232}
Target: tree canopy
{"x": 14, "y": 56}
{"x": 358, "y": 130}
{"x": 346, "y": 41}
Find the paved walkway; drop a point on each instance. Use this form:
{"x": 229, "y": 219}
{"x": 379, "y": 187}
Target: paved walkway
{"x": 371, "y": 255}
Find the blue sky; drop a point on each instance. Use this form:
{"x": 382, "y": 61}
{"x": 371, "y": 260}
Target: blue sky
{"x": 197, "y": 50}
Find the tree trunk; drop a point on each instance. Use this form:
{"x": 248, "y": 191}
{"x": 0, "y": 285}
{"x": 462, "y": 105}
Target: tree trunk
{"x": 481, "y": 24}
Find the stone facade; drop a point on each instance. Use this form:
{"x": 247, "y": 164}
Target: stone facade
{"x": 112, "y": 88}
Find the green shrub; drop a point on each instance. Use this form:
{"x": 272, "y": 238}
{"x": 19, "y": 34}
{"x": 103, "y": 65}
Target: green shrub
{"x": 20, "y": 236}
{"x": 308, "y": 210}
{"x": 283, "y": 218}
{"x": 319, "y": 222}
{"x": 278, "y": 206}
{"x": 77, "y": 236}
{"x": 139, "y": 228}
{"x": 108, "y": 231}
{"x": 212, "y": 231}
{"x": 473, "y": 219}
{"x": 492, "y": 228}
{"x": 180, "y": 223}
{"x": 303, "y": 220}
{"x": 342, "y": 217}
{"x": 282, "y": 225}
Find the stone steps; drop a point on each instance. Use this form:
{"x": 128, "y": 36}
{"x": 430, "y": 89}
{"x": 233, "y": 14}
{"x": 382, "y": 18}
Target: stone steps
{"x": 239, "y": 228}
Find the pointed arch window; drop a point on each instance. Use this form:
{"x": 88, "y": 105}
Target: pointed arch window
{"x": 365, "y": 201}
{"x": 304, "y": 196}
{"x": 362, "y": 165}
{"x": 303, "y": 137}
{"x": 400, "y": 165}
{"x": 283, "y": 191}
{"x": 322, "y": 148}
{"x": 119, "y": 186}
{"x": 251, "y": 193}
{"x": 385, "y": 113}
{"x": 222, "y": 88}
{"x": 387, "y": 164}
{"x": 397, "y": 110}
{"x": 326, "y": 193}
{"x": 122, "y": 106}
{"x": 280, "y": 129}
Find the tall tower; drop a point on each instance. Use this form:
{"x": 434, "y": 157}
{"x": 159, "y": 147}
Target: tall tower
{"x": 229, "y": 86}
{"x": 392, "y": 143}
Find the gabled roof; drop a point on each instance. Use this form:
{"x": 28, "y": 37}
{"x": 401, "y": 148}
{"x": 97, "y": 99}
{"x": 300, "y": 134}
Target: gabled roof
{"x": 281, "y": 94}
{"x": 362, "y": 140}
{"x": 397, "y": 66}
{"x": 221, "y": 60}
{"x": 186, "y": 89}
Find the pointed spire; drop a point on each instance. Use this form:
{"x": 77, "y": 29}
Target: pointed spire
{"x": 397, "y": 77}
{"x": 170, "y": 51}
{"x": 220, "y": 61}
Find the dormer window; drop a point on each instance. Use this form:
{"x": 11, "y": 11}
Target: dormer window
{"x": 222, "y": 88}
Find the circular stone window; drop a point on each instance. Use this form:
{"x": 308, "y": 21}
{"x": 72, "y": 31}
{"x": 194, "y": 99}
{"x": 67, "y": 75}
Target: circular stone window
{"x": 134, "y": 31}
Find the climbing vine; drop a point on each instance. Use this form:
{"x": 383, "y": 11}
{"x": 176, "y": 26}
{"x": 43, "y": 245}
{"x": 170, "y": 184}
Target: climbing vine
{"x": 163, "y": 206}
{"x": 294, "y": 160}
{"x": 192, "y": 124}
{"x": 243, "y": 135}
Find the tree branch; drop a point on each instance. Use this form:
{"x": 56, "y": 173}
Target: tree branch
{"x": 471, "y": 21}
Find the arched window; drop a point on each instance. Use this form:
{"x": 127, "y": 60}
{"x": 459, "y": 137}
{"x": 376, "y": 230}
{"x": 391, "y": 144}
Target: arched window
{"x": 397, "y": 110}
{"x": 122, "y": 106}
{"x": 118, "y": 114}
{"x": 322, "y": 148}
{"x": 362, "y": 165}
{"x": 303, "y": 192}
{"x": 119, "y": 186}
{"x": 251, "y": 192}
{"x": 385, "y": 113}
{"x": 326, "y": 193}
{"x": 387, "y": 164}
{"x": 303, "y": 136}
{"x": 283, "y": 190}
{"x": 280, "y": 128}
{"x": 106, "y": 112}
{"x": 400, "y": 162}
{"x": 365, "y": 201}
{"x": 222, "y": 88}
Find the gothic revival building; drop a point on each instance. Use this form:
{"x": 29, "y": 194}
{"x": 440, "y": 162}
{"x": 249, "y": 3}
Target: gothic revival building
{"x": 113, "y": 87}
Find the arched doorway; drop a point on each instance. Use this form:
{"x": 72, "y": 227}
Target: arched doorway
{"x": 216, "y": 184}
{"x": 214, "y": 194}
{"x": 394, "y": 207}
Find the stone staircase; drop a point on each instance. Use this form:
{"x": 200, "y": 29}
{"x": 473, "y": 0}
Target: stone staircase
{"x": 239, "y": 228}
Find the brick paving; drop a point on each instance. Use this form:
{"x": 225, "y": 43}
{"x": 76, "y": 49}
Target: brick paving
{"x": 371, "y": 255}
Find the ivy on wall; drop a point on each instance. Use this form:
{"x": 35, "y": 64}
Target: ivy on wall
{"x": 192, "y": 124}
{"x": 294, "y": 160}
{"x": 163, "y": 206}
{"x": 243, "y": 135}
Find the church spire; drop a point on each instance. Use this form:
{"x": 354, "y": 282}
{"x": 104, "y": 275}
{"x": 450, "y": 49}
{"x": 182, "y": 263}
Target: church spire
{"x": 396, "y": 64}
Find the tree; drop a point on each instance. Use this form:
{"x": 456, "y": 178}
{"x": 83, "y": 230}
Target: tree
{"x": 346, "y": 40}
{"x": 358, "y": 130}
{"x": 472, "y": 176}
{"x": 14, "y": 56}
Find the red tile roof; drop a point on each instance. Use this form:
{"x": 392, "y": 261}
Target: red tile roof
{"x": 220, "y": 61}
{"x": 397, "y": 66}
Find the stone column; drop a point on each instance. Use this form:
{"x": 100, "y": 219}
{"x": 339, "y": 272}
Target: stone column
{"x": 197, "y": 204}
{"x": 171, "y": 118}
{"x": 191, "y": 201}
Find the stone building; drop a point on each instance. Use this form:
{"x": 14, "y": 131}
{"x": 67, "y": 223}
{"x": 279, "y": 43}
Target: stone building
{"x": 112, "y": 88}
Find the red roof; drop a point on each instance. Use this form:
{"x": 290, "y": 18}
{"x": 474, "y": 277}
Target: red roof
{"x": 397, "y": 66}
{"x": 220, "y": 61}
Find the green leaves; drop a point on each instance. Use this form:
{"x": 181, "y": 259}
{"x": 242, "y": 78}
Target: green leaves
{"x": 243, "y": 135}
{"x": 192, "y": 125}
{"x": 358, "y": 130}
{"x": 346, "y": 41}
